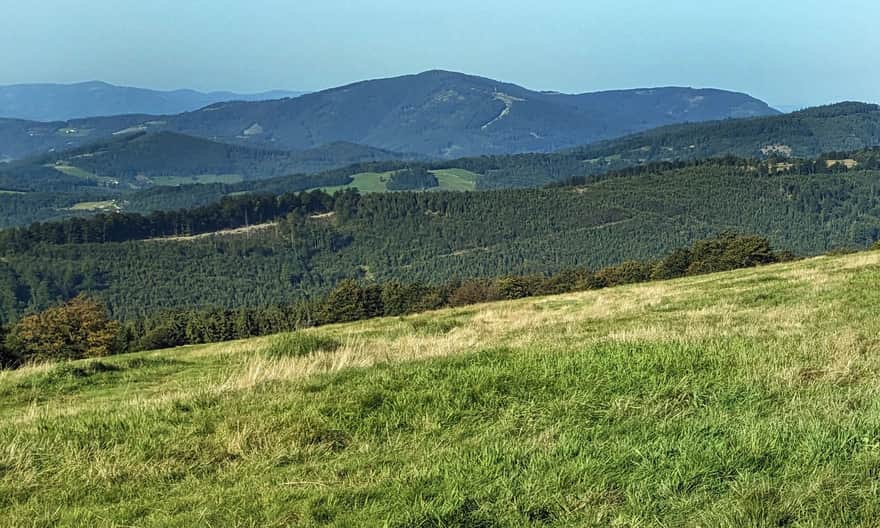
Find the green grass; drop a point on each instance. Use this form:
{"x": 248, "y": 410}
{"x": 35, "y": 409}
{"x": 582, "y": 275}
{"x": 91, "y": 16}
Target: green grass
{"x": 748, "y": 398}
{"x": 77, "y": 172}
{"x": 456, "y": 179}
{"x": 74, "y": 132}
{"x": 365, "y": 182}
{"x": 200, "y": 178}
{"x": 299, "y": 344}
{"x": 447, "y": 179}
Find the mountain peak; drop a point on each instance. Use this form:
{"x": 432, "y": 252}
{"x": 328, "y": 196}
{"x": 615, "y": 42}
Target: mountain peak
{"x": 436, "y": 113}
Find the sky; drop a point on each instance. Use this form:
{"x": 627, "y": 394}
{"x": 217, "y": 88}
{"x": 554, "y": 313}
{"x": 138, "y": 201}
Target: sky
{"x": 786, "y": 52}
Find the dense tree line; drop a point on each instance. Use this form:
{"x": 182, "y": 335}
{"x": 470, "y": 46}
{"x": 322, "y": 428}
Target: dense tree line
{"x": 241, "y": 210}
{"x": 81, "y": 327}
{"x": 228, "y": 213}
{"x": 577, "y": 166}
{"x": 806, "y": 134}
{"x": 18, "y": 209}
{"x": 436, "y": 237}
{"x": 412, "y": 179}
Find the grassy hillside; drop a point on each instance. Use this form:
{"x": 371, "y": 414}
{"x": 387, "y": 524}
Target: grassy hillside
{"x": 745, "y": 398}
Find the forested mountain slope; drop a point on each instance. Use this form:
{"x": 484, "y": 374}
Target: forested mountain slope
{"x": 427, "y": 237}
{"x": 139, "y": 159}
{"x": 805, "y": 134}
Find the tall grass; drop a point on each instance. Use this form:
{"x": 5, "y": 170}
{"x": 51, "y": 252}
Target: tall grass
{"x": 747, "y": 398}
{"x": 299, "y": 344}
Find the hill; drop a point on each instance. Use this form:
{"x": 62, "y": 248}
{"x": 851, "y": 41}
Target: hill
{"x": 140, "y": 159}
{"x": 802, "y": 135}
{"x": 56, "y": 199}
{"x": 61, "y": 102}
{"x": 435, "y": 114}
{"x": 739, "y": 399}
{"x": 431, "y": 237}
{"x": 445, "y": 114}
{"x": 805, "y": 134}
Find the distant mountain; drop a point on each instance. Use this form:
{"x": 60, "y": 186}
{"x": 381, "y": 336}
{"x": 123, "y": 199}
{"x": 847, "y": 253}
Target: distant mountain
{"x": 438, "y": 114}
{"x": 140, "y": 159}
{"x": 805, "y": 134}
{"x": 788, "y": 108}
{"x": 61, "y": 102}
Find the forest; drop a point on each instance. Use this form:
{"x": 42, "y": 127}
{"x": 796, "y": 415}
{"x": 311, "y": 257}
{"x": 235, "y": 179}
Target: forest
{"x": 82, "y": 328}
{"x": 139, "y": 265}
{"x": 119, "y": 169}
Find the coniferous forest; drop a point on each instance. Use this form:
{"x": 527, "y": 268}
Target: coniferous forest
{"x": 82, "y": 328}
{"x": 296, "y": 246}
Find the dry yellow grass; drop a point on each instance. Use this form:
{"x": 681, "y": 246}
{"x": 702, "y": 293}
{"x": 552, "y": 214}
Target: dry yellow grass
{"x": 655, "y": 312}
{"x": 696, "y": 398}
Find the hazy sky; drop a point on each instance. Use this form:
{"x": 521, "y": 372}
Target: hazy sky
{"x": 785, "y": 51}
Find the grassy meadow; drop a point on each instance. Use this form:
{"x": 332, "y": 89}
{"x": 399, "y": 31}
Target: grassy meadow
{"x": 77, "y": 172}
{"x": 747, "y": 398}
{"x": 200, "y": 178}
{"x": 447, "y": 180}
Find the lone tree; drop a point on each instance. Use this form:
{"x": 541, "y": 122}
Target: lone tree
{"x": 77, "y": 329}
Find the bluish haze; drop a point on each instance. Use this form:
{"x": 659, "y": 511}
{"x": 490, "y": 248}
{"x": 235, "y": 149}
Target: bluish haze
{"x": 787, "y": 52}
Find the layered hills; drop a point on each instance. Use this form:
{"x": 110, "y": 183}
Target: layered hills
{"x": 59, "y": 102}
{"x": 436, "y": 113}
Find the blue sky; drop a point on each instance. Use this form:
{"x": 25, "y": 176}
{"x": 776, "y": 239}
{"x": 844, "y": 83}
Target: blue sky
{"x": 787, "y": 52}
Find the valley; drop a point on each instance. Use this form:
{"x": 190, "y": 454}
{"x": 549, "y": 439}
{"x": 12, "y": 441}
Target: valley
{"x": 197, "y": 172}
{"x": 612, "y": 294}
{"x": 398, "y": 236}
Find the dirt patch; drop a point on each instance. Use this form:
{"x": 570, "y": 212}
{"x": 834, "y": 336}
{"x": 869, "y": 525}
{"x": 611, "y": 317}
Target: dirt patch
{"x": 247, "y": 230}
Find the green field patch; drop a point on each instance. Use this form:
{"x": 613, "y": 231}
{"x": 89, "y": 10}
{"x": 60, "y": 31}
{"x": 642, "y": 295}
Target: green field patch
{"x": 456, "y": 179}
{"x": 77, "y": 172}
{"x": 199, "y": 178}
{"x": 448, "y": 180}
{"x": 74, "y": 132}
{"x": 365, "y": 182}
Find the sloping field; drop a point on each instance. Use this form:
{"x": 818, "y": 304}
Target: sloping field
{"x": 447, "y": 180}
{"x": 748, "y": 398}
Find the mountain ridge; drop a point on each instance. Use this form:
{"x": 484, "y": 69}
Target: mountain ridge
{"x": 48, "y": 102}
{"x": 807, "y": 133}
{"x": 436, "y": 114}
